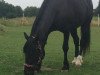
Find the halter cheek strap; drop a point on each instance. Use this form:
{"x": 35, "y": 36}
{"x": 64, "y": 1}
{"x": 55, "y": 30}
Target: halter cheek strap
{"x": 40, "y": 59}
{"x": 33, "y": 37}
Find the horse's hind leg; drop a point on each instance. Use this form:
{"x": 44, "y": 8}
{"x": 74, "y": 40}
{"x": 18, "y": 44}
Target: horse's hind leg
{"x": 65, "y": 49}
{"x": 78, "y": 58}
{"x": 76, "y": 43}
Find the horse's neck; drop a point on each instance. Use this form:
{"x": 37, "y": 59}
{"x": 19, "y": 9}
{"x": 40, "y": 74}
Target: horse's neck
{"x": 43, "y": 22}
{"x": 37, "y": 24}
{"x": 40, "y": 29}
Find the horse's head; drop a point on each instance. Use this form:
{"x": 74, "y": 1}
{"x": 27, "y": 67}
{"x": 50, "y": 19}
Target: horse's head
{"x": 32, "y": 52}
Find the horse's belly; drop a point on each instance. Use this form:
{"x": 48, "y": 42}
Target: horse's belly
{"x": 66, "y": 22}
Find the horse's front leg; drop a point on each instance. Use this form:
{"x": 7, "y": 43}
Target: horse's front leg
{"x": 65, "y": 49}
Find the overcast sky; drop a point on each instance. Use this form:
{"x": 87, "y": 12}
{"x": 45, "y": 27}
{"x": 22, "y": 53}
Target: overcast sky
{"x": 25, "y": 3}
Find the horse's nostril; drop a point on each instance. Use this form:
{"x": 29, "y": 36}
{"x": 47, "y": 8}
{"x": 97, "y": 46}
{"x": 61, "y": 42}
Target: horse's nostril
{"x": 29, "y": 66}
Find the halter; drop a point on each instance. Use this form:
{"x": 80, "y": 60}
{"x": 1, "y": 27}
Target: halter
{"x": 38, "y": 47}
{"x": 40, "y": 56}
{"x": 33, "y": 37}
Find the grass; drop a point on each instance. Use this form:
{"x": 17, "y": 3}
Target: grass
{"x": 95, "y": 21}
{"x": 12, "y": 57}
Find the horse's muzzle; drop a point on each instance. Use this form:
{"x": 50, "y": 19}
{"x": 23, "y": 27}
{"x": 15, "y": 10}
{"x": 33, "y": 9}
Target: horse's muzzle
{"x": 28, "y": 69}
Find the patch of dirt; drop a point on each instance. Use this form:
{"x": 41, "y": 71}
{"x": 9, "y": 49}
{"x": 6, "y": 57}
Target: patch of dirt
{"x": 47, "y": 69}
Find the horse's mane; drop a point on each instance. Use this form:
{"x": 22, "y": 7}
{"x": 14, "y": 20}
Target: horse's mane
{"x": 39, "y": 16}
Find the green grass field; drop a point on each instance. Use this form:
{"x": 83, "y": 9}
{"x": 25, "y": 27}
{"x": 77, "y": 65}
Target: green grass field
{"x": 12, "y": 57}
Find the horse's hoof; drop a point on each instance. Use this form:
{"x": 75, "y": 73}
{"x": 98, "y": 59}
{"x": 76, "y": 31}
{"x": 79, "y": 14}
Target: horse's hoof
{"x": 74, "y": 61}
{"x": 79, "y": 61}
{"x": 78, "y": 64}
{"x": 64, "y": 69}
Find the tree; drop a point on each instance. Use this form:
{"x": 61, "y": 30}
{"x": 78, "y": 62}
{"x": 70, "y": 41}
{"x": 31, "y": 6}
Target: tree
{"x": 97, "y": 10}
{"x": 2, "y": 1}
{"x": 18, "y": 11}
{"x": 31, "y": 11}
{"x": 2, "y": 9}
{"x": 10, "y": 11}
{"x": 99, "y": 7}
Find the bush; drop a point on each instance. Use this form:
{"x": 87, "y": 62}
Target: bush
{"x": 2, "y": 28}
{"x": 31, "y": 11}
{"x": 26, "y": 21}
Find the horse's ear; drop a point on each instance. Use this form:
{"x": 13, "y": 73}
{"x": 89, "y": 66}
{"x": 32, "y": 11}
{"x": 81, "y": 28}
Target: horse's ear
{"x": 26, "y": 36}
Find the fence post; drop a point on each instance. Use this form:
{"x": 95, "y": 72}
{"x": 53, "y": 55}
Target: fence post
{"x": 98, "y": 20}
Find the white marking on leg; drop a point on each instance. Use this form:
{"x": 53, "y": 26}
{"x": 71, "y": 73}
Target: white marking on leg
{"x": 79, "y": 61}
{"x": 74, "y": 61}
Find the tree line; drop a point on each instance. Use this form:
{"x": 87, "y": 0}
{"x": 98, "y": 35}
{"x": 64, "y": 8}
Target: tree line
{"x": 10, "y": 11}
{"x": 97, "y": 10}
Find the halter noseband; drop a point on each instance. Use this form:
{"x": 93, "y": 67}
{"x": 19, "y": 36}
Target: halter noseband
{"x": 32, "y": 67}
{"x": 28, "y": 66}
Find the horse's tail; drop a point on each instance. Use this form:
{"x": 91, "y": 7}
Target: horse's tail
{"x": 85, "y": 30}
{"x": 85, "y": 36}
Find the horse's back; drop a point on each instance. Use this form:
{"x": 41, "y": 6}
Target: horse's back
{"x": 72, "y": 11}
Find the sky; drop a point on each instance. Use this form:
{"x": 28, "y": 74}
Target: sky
{"x": 37, "y": 3}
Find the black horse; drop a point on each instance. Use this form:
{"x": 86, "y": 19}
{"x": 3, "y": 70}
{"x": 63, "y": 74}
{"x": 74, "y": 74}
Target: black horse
{"x": 62, "y": 15}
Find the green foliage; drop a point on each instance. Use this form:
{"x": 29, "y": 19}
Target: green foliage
{"x": 2, "y": 1}
{"x": 97, "y": 10}
{"x": 31, "y": 11}
{"x": 18, "y": 11}
{"x": 10, "y": 11}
